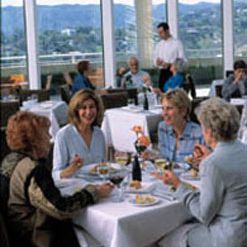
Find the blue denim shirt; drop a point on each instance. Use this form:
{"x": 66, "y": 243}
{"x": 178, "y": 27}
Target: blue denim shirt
{"x": 167, "y": 141}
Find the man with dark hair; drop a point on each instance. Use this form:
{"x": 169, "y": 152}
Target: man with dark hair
{"x": 235, "y": 86}
{"x": 166, "y": 52}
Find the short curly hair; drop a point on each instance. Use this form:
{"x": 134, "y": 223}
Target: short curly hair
{"x": 220, "y": 117}
{"x": 179, "y": 98}
{"x": 29, "y": 133}
{"x": 76, "y": 103}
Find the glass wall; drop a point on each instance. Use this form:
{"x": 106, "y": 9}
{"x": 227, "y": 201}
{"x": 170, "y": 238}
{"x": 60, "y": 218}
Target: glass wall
{"x": 69, "y": 33}
{"x": 124, "y": 21}
{"x": 240, "y": 29}
{"x": 200, "y": 29}
{"x": 13, "y": 47}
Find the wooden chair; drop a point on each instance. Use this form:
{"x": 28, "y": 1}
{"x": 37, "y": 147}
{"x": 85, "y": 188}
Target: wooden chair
{"x": 65, "y": 93}
{"x": 131, "y": 92}
{"x": 114, "y": 100}
{"x": 218, "y": 90}
{"x": 7, "y": 109}
{"x": 195, "y": 103}
{"x": 42, "y": 94}
{"x": 189, "y": 86}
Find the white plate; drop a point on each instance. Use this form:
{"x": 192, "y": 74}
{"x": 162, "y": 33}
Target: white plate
{"x": 188, "y": 176}
{"x": 46, "y": 104}
{"x": 87, "y": 169}
{"x": 146, "y": 188}
{"x": 147, "y": 204}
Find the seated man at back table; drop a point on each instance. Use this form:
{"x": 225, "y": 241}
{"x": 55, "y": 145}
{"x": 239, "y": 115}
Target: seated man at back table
{"x": 235, "y": 86}
{"x": 134, "y": 77}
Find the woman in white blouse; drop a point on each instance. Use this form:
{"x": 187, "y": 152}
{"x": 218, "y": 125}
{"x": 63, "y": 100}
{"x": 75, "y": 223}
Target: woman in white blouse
{"x": 81, "y": 142}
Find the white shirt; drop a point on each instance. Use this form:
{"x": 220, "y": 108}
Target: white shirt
{"x": 169, "y": 50}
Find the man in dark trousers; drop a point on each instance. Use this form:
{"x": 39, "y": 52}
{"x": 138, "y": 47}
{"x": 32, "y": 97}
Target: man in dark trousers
{"x": 166, "y": 52}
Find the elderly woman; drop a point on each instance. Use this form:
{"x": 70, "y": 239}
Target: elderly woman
{"x": 220, "y": 205}
{"x": 177, "y": 79}
{"x": 37, "y": 213}
{"x": 81, "y": 80}
{"x": 177, "y": 134}
{"x": 81, "y": 142}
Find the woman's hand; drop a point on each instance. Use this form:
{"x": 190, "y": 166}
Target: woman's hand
{"x": 168, "y": 177}
{"x": 104, "y": 190}
{"x": 200, "y": 152}
{"x": 75, "y": 165}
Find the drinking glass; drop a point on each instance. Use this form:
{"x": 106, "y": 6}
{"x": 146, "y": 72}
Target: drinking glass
{"x": 121, "y": 158}
{"x": 117, "y": 178}
{"x": 103, "y": 170}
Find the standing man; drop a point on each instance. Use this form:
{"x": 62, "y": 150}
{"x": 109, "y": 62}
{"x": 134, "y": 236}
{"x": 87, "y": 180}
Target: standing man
{"x": 166, "y": 52}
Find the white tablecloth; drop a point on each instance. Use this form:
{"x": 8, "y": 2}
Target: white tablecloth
{"x": 56, "y": 111}
{"x": 212, "y": 91}
{"x": 118, "y": 122}
{"x": 123, "y": 224}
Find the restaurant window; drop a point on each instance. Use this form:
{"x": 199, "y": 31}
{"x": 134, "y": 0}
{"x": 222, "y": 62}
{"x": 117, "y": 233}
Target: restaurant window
{"x": 68, "y": 33}
{"x": 135, "y": 30}
{"x": 240, "y": 29}
{"x": 200, "y": 29}
{"x": 13, "y": 47}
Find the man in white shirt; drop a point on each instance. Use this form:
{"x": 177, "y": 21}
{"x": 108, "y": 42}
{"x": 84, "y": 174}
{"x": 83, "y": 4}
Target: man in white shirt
{"x": 166, "y": 52}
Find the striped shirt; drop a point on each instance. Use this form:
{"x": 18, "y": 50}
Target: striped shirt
{"x": 167, "y": 141}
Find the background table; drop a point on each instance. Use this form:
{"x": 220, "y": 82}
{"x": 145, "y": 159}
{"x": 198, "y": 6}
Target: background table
{"x": 56, "y": 111}
{"x": 118, "y": 122}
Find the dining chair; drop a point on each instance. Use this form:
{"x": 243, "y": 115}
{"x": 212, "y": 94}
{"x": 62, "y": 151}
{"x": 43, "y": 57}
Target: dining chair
{"x": 8, "y": 108}
{"x": 218, "y": 90}
{"x": 189, "y": 86}
{"x": 114, "y": 100}
{"x": 65, "y": 93}
{"x": 42, "y": 94}
{"x": 131, "y": 92}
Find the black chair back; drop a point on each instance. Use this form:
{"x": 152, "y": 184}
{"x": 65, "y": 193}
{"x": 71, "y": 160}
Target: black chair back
{"x": 42, "y": 94}
{"x": 114, "y": 100}
{"x": 7, "y": 109}
{"x": 189, "y": 86}
{"x": 65, "y": 93}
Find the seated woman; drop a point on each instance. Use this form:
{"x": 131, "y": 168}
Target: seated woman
{"x": 235, "y": 86}
{"x": 220, "y": 205}
{"x": 37, "y": 213}
{"x": 81, "y": 81}
{"x": 177, "y": 79}
{"x": 177, "y": 135}
{"x": 81, "y": 142}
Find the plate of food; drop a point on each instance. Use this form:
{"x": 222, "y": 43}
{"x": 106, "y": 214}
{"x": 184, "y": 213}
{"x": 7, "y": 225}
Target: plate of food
{"x": 144, "y": 200}
{"x": 136, "y": 186}
{"x": 190, "y": 175}
{"x": 95, "y": 169}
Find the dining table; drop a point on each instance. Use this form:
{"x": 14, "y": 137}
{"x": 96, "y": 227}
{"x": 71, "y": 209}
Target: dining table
{"x": 118, "y": 122}
{"x": 56, "y": 111}
{"x": 126, "y": 223}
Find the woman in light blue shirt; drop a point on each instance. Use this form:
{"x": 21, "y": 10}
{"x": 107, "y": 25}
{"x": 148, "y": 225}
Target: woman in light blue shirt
{"x": 81, "y": 142}
{"x": 220, "y": 207}
{"x": 177, "y": 134}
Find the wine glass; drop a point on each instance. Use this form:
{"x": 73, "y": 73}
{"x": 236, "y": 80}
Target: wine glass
{"x": 103, "y": 170}
{"x": 116, "y": 178}
{"x": 121, "y": 158}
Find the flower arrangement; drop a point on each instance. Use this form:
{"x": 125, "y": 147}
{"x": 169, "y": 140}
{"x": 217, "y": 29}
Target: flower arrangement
{"x": 142, "y": 141}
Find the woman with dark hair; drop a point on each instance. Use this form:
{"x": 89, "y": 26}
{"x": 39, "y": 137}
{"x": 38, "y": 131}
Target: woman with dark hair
{"x": 37, "y": 213}
{"x": 219, "y": 207}
{"x": 81, "y": 80}
{"x": 235, "y": 86}
{"x": 80, "y": 142}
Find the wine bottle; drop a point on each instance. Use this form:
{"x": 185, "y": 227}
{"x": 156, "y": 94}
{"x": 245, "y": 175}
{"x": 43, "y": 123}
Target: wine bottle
{"x": 145, "y": 102}
{"x": 136, "y": 169}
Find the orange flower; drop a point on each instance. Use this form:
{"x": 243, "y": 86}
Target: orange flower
{"x": 143, "y": 141}
{"x": 137, "y": 129}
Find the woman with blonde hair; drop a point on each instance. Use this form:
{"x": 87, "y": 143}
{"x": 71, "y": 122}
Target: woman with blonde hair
{"x": 177, "y": 134}
{"x": 81, "y": 142}
{"x": 37, "y": 213}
